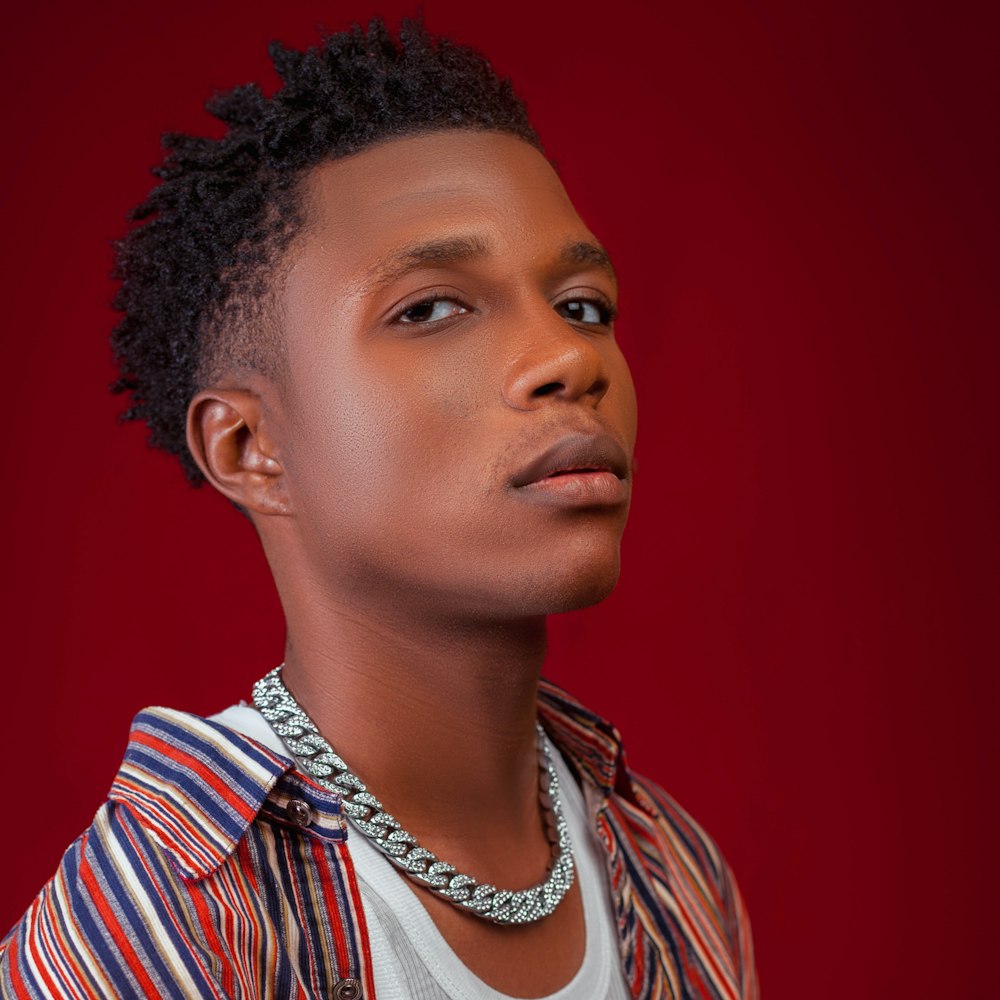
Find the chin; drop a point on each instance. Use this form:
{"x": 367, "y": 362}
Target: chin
{"x": 569, "y": 585}
{"x": 584, "y": 594}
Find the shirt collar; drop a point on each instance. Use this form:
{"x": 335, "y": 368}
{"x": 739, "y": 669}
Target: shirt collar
{"x": 591, "y": 743}
{"x": 196, "y": 785}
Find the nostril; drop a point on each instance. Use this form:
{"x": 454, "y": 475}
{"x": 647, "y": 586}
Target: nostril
{"x": 548, "y": 389}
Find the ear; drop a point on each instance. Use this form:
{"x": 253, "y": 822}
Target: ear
{"x": 231, "y": 439}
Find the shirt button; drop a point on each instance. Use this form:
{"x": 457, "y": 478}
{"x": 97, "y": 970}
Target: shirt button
{"x": 301, "y": 815}
{"x": 347, "y": 989}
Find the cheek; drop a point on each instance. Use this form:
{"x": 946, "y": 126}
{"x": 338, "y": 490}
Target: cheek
{"x": 621, "y": 400}
{"x": 370, "y": 439}
{"x": 342, "y": 435}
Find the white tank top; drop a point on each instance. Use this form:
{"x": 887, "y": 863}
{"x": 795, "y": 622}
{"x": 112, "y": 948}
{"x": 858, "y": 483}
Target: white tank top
{"x": 411, "y": 958}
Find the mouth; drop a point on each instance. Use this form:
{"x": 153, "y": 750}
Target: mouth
{"x": 578, "y": 470}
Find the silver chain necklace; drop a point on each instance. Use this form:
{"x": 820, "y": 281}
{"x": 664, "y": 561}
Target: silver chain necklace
{"x": 501, "y": 906}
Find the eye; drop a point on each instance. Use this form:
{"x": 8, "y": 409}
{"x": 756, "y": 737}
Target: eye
{"x": 431, "y": 310}
{"x": 593, "y": 312}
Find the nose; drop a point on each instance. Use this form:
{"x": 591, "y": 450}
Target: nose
{"x": 555, "y": 362}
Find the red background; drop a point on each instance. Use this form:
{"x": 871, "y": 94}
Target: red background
{"x": 802, "y": 205}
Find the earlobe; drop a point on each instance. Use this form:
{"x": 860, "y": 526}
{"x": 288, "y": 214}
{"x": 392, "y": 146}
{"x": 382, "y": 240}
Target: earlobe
{"x": 230, "y": 440}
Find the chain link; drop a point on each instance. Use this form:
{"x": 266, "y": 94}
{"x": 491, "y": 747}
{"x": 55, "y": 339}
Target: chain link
{"x": 501, "y": 906}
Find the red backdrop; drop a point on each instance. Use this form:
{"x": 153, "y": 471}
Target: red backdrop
{"x": 801, "y": 202}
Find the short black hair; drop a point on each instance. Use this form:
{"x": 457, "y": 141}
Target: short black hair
{"x": 195, "y": 271}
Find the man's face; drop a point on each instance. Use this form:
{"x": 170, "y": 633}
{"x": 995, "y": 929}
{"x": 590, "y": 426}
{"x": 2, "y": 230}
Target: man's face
{"x": 457, "y": 422}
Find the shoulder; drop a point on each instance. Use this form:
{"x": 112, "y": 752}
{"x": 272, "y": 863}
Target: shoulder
{"x": 671, "y": 882}
{"x": 681, "y": 838}
{"x": 683, "y": 869}
{"x": 123, "y": 915}
{"x": 689, "y": 857}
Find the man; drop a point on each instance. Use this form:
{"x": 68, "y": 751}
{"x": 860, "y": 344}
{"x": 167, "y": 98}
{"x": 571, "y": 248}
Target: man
{"x": 371, "y": 318}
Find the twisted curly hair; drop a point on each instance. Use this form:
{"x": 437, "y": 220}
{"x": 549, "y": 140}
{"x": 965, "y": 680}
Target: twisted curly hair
{"x": 196, "y": 271}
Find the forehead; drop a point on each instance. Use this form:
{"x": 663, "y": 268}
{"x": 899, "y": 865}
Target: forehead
{"x": 494, "y": 190}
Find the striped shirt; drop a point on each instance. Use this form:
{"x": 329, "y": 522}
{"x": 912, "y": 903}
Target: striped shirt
{"x": 217, "y": 869}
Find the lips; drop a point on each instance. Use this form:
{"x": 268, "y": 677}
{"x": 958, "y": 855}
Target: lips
{"x": 578, "y": 470}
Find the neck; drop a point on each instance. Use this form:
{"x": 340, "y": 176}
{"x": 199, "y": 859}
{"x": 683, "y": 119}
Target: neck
{"x": 436, "y": 717}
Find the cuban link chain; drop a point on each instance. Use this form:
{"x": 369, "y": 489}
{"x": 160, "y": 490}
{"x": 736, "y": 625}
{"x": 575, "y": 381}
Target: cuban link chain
{"x": 501, "y": 906}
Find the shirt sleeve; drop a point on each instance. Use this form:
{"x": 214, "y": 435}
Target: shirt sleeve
{"x": 48, "y": 953}
{"x": 740, "y": 935}
{"x": 100, "y": 928}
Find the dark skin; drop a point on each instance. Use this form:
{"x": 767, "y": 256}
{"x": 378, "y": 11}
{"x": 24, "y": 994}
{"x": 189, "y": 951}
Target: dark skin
{"x": 443, "y": 461}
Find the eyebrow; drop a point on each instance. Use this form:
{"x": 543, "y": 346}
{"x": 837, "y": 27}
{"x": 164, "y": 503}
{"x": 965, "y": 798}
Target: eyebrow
{"x": 461, "y": 249}
{"x": 588, "y": 253}
{"x": 452, "y": 250}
